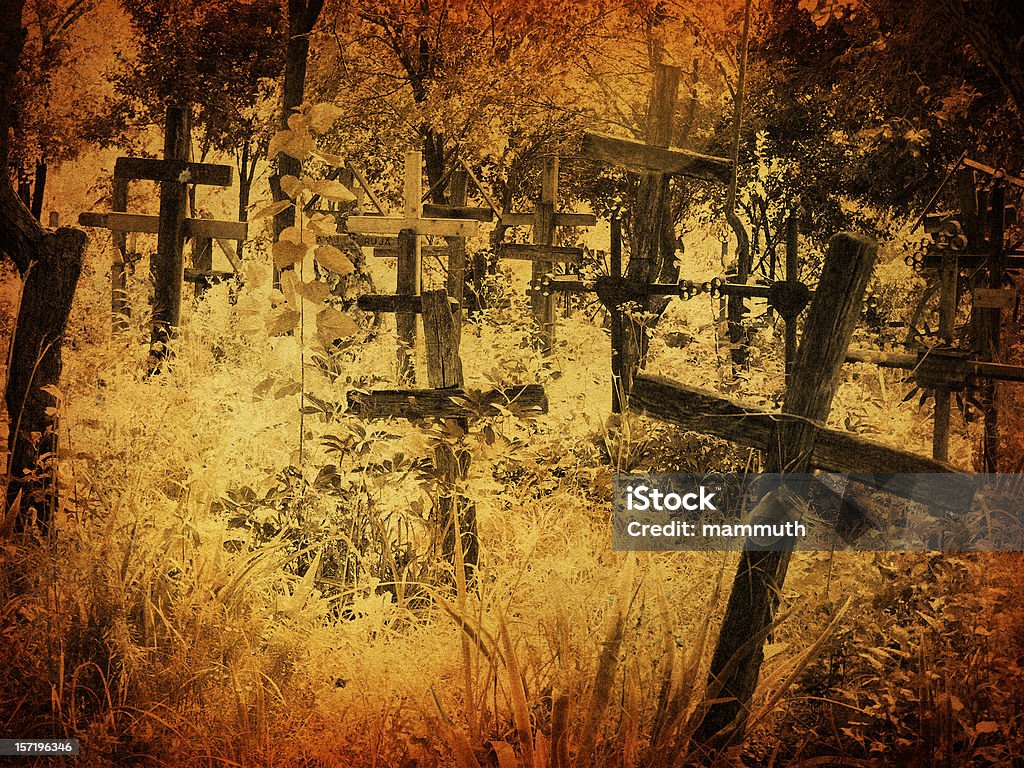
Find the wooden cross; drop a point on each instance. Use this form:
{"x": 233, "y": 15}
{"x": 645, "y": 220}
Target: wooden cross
{"x": 410, "y": 227}
{"x": 971, "y": 239}
{"x": 545, "y": 220}
{"x": 445, "y": 399}
{"x": 794, "y": 440}
{"x": 656, "y": 161}
{"x": 174, "y": 173}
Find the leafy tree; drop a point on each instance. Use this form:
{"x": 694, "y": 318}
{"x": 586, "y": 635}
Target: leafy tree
{"x": 47, "y": 127}
{"x": 222, "y": 58}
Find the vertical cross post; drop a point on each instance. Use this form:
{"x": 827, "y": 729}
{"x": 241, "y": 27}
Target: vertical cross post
{"x": 456, "y": 515}
{"x": 749, "y": 615}
{"x": 651, "y": 215}
{"x": 792, "y": 274}
{"x": 544, "y": 234}
{"x": 169, "y": 265}
{"x": 990, "y": 322}
{"x": 457, "y": 245}
{"x": 409, "y": 267}
{"x": 620, "y": 384}
{"x": 118, "y": 271}
{"x": 948, "y": 277}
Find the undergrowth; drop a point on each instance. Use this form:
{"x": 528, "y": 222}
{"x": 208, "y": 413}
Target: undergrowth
{"x": 247, "y": 575}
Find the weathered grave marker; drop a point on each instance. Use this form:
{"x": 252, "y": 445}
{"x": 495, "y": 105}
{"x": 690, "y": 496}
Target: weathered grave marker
{"x": 795, "y": 441}
{"x": 971, "y": 239}
{"x": 545, "y": 220}
{"x": 410, "y": 227}
{"x": 656, "y": 162}
{"x": 446, "y": 400}
{"x": 174, "y": 173}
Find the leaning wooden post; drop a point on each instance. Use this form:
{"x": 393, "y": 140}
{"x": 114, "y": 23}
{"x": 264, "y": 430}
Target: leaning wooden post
{"x": 651, "y": 213}
{"x": 409, "y": 267}
{"x": 831, "y": 319}
{"x": 169, "y": 264}
{"x": 544, "y": 234}
{"x": 442, "y": 333}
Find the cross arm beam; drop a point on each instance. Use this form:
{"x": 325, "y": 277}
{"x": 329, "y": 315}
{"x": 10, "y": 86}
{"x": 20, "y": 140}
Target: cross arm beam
{"x": 149, "y": 224}
{"x": 834, "y": 450}
{"x": 389, "y": 225}
{"x": 145, "y": 169}
{"x": 635, "y": 156}
{"x": 451, "y": 403}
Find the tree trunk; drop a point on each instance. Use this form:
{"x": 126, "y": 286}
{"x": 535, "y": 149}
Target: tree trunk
{"x": 36, "y": 366}
{"x": 50, "y": 263}
{"x": 39, "y": 190}
{"x": 302, "y": 17}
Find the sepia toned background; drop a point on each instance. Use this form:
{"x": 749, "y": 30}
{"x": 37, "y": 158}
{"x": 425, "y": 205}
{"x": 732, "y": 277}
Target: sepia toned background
{"x": 211, "y": 558}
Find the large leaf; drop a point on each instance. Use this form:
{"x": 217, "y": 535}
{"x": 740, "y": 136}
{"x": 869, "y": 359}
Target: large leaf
{"x": 332, "y": 259}
{"x": 323, "y": 224}
{"x": 270, "y": 210}
{"x": 297, "y": 144}
{"x": 291, "y": 186}
{"x": 296, "y": 235}
{"x": 332, "y": 190}
{"x": 337, "y": 161}
{"x": 322, "y": 117}
{"x": 282, "y": 321}
{"x": 315, "y": 291}
{"x": 333, "y": 324}
{"x": 287, "y": 253}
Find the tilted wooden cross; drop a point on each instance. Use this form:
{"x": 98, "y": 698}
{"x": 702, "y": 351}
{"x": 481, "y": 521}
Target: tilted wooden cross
{"x": 410, "y": 227}
{"x": 174, "y": 173}
{"x": 795, "y": 441}
{"x": 445, "y": 399}
{"x": 656, "y": 162}
{"x": 545, "y": 220}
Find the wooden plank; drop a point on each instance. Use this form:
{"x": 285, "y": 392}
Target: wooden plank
{"x": 994, "y": 298}
{"x": 430, "y": 210}
{"x": 706, "y": 412}
{"x": 561, "y": 219}
{"x": 546, "y": 254}
{"x": 391, "y": 252}
{"x": 635, "y": 156}
{"x": 141, "y": 168}
{"x": 445, "y": 404}
{"x": 119, "y": 307}
{"x": 148, "y": 224}
{"x": 408, "y": 284}
{"x": 229, "y": 252}
{"x": 544, "y": 236}
{"x": 389, "y": 225}
{"x": 997, "y": 172}
{"x": 168, "y": 263}
{"x": 479, "y": 187}
{"x": 202, "y": 265}
{"x": 358, "y": 174}
{"x": 792, "y": 275}
{"x": 442, "y": 334}
{"x": 399, "y": 304}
